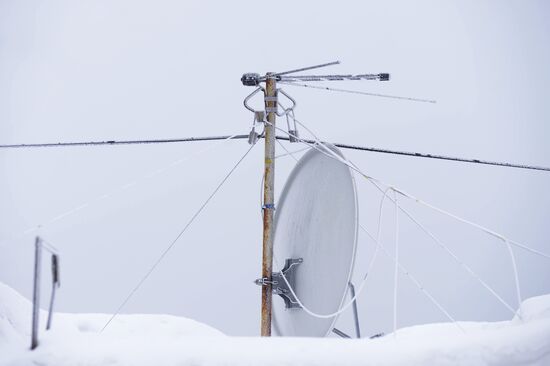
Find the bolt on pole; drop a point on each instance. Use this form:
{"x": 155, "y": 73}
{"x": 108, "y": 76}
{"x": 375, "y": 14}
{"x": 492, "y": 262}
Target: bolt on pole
{"x": 269, "y": 204}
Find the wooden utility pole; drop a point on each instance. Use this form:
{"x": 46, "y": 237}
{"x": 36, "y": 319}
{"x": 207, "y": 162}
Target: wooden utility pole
{"x": 269, "y": 204}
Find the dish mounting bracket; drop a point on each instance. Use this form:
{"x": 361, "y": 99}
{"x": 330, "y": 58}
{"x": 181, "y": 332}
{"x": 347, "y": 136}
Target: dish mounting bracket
{"x": 279, "y": 285}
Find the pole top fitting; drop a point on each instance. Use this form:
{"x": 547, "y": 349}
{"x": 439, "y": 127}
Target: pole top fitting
{"x": 271, "y": 76}
{"x": 250, "y": 79}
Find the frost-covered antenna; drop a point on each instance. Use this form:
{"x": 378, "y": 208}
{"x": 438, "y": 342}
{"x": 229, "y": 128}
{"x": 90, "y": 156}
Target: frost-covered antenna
{"x": 254, "y": 79}
{"x": 272, "y": 107}
{"x": 286, "y": 77}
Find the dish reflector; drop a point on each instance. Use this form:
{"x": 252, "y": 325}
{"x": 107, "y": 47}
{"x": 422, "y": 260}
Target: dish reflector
{"x": 316, "y": 220}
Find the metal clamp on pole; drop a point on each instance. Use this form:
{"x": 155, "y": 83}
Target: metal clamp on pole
{"x": 259, "y": 117}
{"x": 268, "y": 206}
{"x": 274, "y": 100}
{"x": 253, "y": 136}
{"x": 279, "y": 285}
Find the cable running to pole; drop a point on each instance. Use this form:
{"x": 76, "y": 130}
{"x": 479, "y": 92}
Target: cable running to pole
{"x": 316, "y": 144}
{"x": 169, "y": 247}
{"x": 395, "y": 259}
{"x": 428, "y": 156}
{"x": 240, "y": 137}
{"x": 124, "y": 142}
{"x": 117, "y": 190}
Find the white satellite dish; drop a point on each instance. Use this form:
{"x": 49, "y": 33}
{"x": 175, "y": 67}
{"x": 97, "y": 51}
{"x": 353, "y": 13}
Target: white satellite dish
{"x": 316, "y": 224}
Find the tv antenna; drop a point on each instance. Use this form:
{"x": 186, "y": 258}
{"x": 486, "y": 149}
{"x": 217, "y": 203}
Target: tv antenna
{"x": 254, "y": 79}
{"x": 268, "y": 117}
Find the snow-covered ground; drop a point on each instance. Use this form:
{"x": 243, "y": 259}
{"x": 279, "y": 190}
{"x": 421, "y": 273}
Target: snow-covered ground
{"x": 167, "y": 340}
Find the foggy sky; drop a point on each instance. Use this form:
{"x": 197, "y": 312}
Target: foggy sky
{"x": 105, "y": 70}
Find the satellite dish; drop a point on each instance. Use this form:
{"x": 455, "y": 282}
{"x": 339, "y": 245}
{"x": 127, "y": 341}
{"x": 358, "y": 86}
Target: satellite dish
{"x": 315, "y": 240}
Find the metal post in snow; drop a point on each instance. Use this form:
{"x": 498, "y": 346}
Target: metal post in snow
{"x": 36, "y": 292}
{"x": 55, "y": 285}
{"x": 355, "y": 312}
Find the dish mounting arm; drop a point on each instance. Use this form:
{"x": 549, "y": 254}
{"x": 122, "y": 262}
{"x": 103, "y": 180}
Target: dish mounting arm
{"x": 279, "y": 285}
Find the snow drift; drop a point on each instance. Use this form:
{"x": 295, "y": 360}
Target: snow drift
{"x": 168, "y": 340}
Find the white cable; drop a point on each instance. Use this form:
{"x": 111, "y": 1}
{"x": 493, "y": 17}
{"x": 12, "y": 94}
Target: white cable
{"x": 516, "y": 276}
{"x": 374, "y": 181}
{"x": 401, "y": 267}
{"x": 502, "y": 237}
{"x": 361, "y": 285}
{"x": 330, "y": 153}
{"x": 482, "y": 228}
{"x": 424, "y": 291}
{"x": 415, "y": 281}
{"x": 288, "y": 152}
{"x": 371, "y": 263}
{"x": 467, "y": 268}
{"x": 396, "y": 269}
{"x": 48, "y": 246}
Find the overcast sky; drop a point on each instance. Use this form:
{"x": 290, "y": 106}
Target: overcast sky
{"x": 105, "y": 70}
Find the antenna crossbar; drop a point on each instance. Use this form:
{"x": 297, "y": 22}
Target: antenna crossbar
{"x": 379, "y": 77}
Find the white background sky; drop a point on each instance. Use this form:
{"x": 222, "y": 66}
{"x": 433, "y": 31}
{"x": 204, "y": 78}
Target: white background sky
{"x": 108, "y": 70}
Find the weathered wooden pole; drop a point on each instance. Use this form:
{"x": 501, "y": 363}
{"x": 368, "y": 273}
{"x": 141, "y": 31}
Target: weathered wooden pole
{"x": 269, "y": 204}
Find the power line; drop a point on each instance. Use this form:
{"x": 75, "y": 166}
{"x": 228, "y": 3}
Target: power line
{"x": 429, "y": 156}
{"x": 317, "y": 144}
{"x": 240, "y": 137}
{"x": 124, "y": 142}
{"x": 120, "y": 189}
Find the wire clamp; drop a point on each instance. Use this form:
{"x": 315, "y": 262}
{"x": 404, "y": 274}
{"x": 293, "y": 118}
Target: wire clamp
{"x": 264, "y": 281}
{"x": 292, "y": 128}
{"x": 253, "y": 136}
{"x": 259, "y": 116}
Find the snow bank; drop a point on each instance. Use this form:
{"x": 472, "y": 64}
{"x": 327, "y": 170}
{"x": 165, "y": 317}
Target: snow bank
{"x": 167, "y": 340}
{"x": 77, "y": 338}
